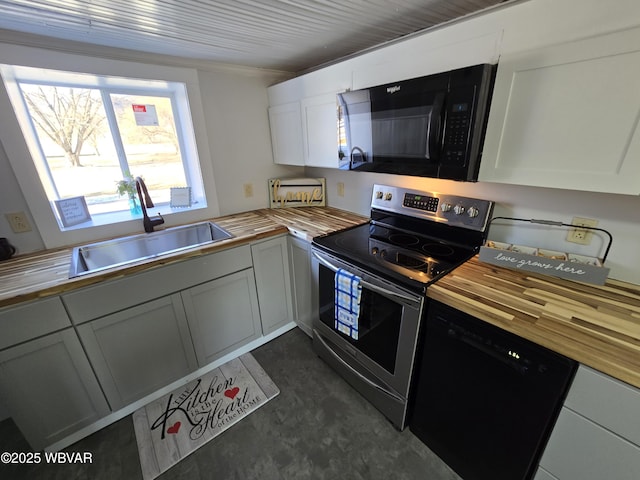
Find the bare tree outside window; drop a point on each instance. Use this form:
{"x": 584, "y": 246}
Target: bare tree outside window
{"x": 69, "y": 117}
{"x": 74, "y": 132}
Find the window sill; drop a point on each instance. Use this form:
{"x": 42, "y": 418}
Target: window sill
{"x": 110, "y": 218}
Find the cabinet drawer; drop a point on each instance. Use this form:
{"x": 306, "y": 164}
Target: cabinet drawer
{"x": 110, "y": 297}
{"x": 25, "y": 322}
{"x": 607, "y": 402}
{"x": 581, "y": 450}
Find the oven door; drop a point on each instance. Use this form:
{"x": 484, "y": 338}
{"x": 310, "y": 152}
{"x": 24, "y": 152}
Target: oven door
{"x": 380, "y": 362}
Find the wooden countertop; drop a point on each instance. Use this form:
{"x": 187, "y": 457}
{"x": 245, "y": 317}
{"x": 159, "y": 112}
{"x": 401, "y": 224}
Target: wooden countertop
{"x": 45, "y": 273}
{"x": 598, "y": 326}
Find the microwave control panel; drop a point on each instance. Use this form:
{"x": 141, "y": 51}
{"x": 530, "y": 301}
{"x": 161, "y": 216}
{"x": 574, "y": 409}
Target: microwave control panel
{"x": 459, "y": 116}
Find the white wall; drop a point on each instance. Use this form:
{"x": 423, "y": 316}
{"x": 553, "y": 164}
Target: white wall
{"x": 12, "y": 200}
{"x": 240, "y": 143}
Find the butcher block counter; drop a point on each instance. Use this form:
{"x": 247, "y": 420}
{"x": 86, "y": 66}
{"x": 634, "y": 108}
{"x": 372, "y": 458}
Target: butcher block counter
{"x": 46, "y": 273}
{"x": 598, "y": 326}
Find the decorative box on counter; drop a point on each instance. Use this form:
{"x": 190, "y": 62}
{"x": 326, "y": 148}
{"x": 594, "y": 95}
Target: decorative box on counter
{"x": 570, "y": 266}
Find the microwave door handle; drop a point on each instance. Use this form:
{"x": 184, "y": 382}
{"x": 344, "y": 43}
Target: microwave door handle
{"x": 365, "y": 284}
{"x": 434, "y": 129}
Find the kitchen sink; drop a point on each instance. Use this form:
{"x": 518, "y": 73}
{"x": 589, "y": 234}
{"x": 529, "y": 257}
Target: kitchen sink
{"x": 100, "y": 256}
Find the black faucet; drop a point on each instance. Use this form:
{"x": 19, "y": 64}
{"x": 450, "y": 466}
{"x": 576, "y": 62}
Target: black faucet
{"x": 145, "y": 203}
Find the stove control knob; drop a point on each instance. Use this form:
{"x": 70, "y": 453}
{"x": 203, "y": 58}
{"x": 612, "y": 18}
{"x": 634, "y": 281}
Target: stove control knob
{"x": 379, "y": 195}
{"x": 388, "y": 196}
{"x": 458, "y": 209}
{"x": 445, "y": 207}
{"x": 473, "y": 212}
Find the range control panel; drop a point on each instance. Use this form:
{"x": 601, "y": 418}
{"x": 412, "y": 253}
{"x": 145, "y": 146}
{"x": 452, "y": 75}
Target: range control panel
{"x": 457, "y": 211}
{"x": 422, "y": 202}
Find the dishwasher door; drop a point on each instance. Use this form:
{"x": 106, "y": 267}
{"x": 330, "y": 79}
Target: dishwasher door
{"x": 486, "y": 400}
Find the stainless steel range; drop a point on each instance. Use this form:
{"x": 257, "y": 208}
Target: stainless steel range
{"x": 412, "y": 240}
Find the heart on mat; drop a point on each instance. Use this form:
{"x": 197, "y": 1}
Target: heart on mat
{"x": 231, "y": 393}
{"x": 174, "y": 428}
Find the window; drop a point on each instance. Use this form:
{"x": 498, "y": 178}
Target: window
{"x": 90, "y": 135}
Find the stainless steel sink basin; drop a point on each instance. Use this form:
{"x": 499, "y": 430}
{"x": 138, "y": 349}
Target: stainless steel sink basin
{"x": 121, "y": 251}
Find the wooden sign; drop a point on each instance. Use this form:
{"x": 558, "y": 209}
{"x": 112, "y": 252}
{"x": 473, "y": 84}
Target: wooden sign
{"x": 571, "y": 267}
{"x": 297, "y": 192}
{"x": 73, "y": 211}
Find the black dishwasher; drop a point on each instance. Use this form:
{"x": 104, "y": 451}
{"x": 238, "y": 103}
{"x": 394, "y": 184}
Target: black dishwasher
{"x": 485, "y": 400}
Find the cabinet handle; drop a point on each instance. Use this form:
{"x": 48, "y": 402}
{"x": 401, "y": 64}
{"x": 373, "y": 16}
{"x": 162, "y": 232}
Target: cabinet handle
{"x": 393, "y": 395}
{"x": 370, "y": 286}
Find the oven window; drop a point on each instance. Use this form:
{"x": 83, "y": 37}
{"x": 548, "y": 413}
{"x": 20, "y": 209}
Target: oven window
{"x": 378, "y": 323}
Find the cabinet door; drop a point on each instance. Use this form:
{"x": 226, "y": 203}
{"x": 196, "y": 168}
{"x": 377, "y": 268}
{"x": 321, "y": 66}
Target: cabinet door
{"x": 320, "y": 131}
{"x": 49, "y": 388}
{"x": 286, "y": 134}
{"x": 273, "y": 283}
{"x": 139, "y": 350}
{"x": 300, "y": 263}
{"x": 223, "y": 315}
{"x": 580, "y": 449}
{"x": 567, "y": 117}
{"x": 542, "y": 474}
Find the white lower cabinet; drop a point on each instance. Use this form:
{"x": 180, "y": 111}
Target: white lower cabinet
{"x": 542, "y": 474}
{"x": 139, "y": 350}
{"x": 223, "y": 315}
{"x": 302, "y": 283}
{"x": 49, "y": 388}
{"x": 67, "y": 362}
{"x": 597, "y": 434}
{"x": 271, "y": 268}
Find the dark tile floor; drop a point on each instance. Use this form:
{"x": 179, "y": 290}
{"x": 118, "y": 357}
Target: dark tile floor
{"x": 318, "y": 427}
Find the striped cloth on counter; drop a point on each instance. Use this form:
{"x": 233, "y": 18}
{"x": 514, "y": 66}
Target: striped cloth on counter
{"x": 347, "y": 302}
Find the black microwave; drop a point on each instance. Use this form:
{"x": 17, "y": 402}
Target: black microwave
{"x": 430, "y": 126}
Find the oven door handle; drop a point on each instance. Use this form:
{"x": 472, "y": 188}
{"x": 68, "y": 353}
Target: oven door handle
{"x": 365, "y": 284}
{"x": 368, "y": 381}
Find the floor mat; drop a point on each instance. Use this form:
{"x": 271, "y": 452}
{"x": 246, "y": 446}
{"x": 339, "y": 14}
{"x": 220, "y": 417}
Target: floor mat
{"x": 172, "y": 427}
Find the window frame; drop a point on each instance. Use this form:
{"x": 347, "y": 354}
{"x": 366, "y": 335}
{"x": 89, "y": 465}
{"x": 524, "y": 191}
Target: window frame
{"x": 19, "y": 146}
{"x": 172, "y": 91}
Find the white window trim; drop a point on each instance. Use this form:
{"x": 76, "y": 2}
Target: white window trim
{"x": 24, "y": 168}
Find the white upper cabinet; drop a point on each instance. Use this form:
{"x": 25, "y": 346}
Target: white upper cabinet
{"x": 437, "y": 52}
{"x": 306, "y": 132}
{"x": 286, "y": 134}
{"x": 567, "y": 117}
{"x": 303, "y": 117}
{"x": 320, "y": 131}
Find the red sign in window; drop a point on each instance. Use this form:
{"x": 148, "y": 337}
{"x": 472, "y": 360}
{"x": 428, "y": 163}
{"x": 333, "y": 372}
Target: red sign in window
{"x": 139, "y": 108}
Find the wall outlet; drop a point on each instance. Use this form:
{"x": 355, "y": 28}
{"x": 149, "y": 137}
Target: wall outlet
{"x": 18, "y": 222}
{"x": 581, "y": 235}
{"x": 248, "y": 190}
{"x": 341, "y": 189}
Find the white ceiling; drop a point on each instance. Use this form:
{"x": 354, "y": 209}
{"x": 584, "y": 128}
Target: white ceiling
{"x": 287, "y": 35}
